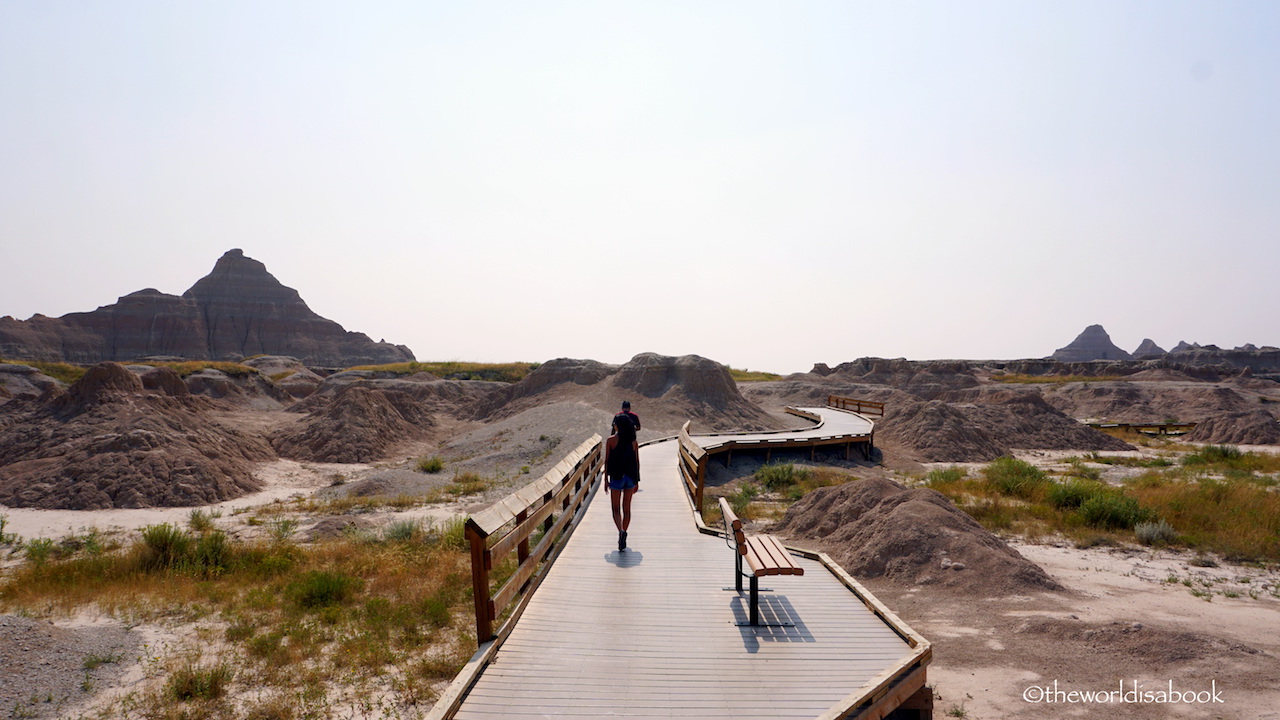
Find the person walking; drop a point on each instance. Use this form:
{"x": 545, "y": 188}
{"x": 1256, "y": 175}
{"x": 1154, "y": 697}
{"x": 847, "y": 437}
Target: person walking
{"x": 626, "y": 412}
{"x": 622, "y": 470}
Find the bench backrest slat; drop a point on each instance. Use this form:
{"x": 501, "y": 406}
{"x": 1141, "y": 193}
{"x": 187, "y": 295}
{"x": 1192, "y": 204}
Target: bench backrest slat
{"x": 733, "y": 526}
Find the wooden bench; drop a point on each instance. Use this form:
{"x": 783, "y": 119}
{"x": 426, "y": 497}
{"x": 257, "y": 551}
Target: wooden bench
{"x": 764, "y": 556}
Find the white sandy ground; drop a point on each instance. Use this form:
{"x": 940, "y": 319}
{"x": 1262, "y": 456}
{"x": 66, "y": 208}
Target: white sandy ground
{"x": 281, "y": 480}
{"x": 1110, "y": 585}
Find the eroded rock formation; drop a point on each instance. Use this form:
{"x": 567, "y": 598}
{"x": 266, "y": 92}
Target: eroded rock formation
{"x": 1092, "y": 344}
{"x": 238, "y": 310}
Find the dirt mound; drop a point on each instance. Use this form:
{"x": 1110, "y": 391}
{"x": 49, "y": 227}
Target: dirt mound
{"x": 925, "y": 379}
{"x": 1153, "y": 645}
{"x": 358, "y": 425}
{"x": 461, "y": 399}
{"x": 559, "y": 371}
{"x": 108, "y": 443}
{"x": 164, "y": 380}
{"x": 665, "y": 391}
{"x": 1256, "y": 427}
{"x": 249, "y": 389}
{"x": 288, "y": 372}
{"x": 335, "y": 527}
{"x": 103, "y": 383}
{"x": 934, "y": 431}
{"x": 18, "y": 380}
{"x": 1123, "y": 401}
{"x": 877, "y": 528}
{"x": 1023, "y": 420}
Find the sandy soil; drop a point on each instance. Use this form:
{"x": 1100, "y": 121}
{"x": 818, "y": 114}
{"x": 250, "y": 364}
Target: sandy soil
{"x": 1127, "y": 618}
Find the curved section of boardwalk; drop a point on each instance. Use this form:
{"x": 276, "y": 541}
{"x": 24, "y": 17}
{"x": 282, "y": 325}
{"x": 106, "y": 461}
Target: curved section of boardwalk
{"x": 650, "y": 632}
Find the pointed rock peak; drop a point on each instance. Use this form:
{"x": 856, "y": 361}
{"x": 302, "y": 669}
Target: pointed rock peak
{"x": 1092, "y": 344}
{"x": 1148, "y": 348}
{"x": 237, "y": 278}
{"x": 1184, "y": 346}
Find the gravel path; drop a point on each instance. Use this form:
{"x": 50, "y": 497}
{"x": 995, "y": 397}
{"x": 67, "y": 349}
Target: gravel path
{"x": 45, "y": 668}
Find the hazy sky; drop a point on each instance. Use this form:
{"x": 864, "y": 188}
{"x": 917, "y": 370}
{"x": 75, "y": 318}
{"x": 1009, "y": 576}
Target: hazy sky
{"x": 766, "y": 184}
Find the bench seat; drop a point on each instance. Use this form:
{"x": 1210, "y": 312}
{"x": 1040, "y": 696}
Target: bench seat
{"x": 764, "y": 555}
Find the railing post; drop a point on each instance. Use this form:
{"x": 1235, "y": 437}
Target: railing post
{"x": 522, "y": 550}
{"x": 480, "y": 584}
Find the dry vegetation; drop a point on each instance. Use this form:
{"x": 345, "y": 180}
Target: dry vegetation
{"x": 1215, "y": 499}
{"x": 372, "y": 622}
{"x": 453, "y": 370}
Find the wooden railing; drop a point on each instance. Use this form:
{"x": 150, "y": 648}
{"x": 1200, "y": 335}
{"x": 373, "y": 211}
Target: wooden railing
{"x": 551, "y": 503}
{"x": 862, "y": 407}
{"x": 693, "y": 466}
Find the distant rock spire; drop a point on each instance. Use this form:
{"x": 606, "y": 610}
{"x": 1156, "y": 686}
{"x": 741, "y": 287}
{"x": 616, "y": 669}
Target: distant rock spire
{"x": 1149, "y": 348}
{"x": 1092, "y": 344}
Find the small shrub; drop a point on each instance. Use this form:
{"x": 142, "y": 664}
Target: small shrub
{"x": 1018, "y": 478}
{"x": 1155, "y": 533}
{"x": 39, "y": 551}
{"x": 454, "y": 534}
{"x": 741, "y": 500}
{"x": 942, "y": 476}
{"x": 200, "y": 520}
{"x": 1213, "y": 455}
{"x": 212, "y": 554}
{"x": 1073, "y": 493}
{"x": 281, "y": 529}
{"x": 778, "y": 476}
{"x": 1113, "y": 511}
{"x": 431, "y": 465}
{"x": 403, "y": 531}
{"x": 92, "y": 661}
{"x": 319, "y": 589}
{"x": 191, "y": 682}
{"x": 467, "y": 483}
{"x": 167, "y": 546}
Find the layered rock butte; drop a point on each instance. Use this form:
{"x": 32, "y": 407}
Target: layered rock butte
{"x": 236, "y": 311}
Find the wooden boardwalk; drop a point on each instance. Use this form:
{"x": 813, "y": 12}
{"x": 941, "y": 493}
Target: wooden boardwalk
{"x": 650, "y": 632}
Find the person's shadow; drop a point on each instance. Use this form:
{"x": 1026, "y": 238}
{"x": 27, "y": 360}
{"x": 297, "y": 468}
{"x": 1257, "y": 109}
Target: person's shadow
{"x": 624, "y": 558}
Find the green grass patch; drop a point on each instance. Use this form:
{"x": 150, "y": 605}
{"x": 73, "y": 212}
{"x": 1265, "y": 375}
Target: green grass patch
{"x": 64, "y": 372}
{"x": 431, "y": 465}
{"x": 752, "y": 375}
{"x": 191, "y": 367}
{"x": 493, "y": 372}
{"x": 1016, "y": 478}
{"x": 1024, "y": 379}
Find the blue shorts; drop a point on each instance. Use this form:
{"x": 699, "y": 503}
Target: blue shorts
{"x": 623, "y": 483}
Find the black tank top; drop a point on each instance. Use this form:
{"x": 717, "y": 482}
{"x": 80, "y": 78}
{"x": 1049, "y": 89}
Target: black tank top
{"x": 623, "y": 460}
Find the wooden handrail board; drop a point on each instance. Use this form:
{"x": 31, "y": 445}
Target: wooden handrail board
{"x": 492, "y": 518}
{"x": 503, "y": 597}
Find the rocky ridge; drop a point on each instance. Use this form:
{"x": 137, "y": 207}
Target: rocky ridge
{"x": 236, "y": 311}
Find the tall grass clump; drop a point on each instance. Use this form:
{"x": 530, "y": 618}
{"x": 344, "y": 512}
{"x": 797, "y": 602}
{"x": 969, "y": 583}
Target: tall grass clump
{"x": 193, "y": 682}
{"x": 780, "y": 476}
{"x": 166, "y": 547}
{"x": 1016, "y": 478}
{"x": 945, "y": 476}
{"x": 1155, "y": 533}
{"x": 431, "y": 465}
{"x": 318, "y": 589}
{"x": 1113, "y": 511}
{"x": 403, "y": 531}
{"x": 1073, "y": 493}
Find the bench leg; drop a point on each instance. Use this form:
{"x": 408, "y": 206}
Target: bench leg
{"x": 737, "y": 573}
{"x": 755, "y": 600}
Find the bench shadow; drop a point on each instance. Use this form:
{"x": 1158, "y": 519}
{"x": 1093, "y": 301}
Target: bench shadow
{"x": 624, "y": 558}
{"x": 774, "y": 610}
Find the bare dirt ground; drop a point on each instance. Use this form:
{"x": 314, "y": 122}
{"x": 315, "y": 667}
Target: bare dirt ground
{"x": 1128, "y": 617}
